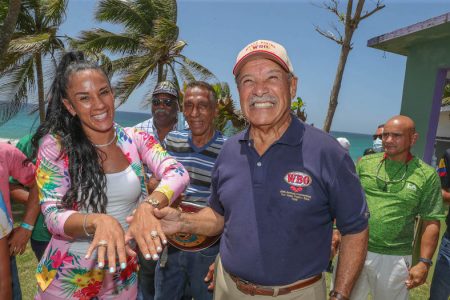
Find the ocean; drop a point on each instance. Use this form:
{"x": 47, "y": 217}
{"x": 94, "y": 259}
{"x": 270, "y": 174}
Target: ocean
{"x": 24, "y": 123}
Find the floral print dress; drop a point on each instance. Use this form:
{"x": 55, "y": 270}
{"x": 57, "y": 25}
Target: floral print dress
{"x": 65, "y": 275}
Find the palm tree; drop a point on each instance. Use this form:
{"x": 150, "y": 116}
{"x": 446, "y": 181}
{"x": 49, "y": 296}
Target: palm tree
{"x": 34, "y": 41}
{"x": 149, "y": 46}
{"x": 8, "y": 15}
{"x": 227, "y": 110}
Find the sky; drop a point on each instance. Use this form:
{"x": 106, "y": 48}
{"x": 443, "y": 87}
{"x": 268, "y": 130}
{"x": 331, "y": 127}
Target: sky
{"x": 216, "y": 30}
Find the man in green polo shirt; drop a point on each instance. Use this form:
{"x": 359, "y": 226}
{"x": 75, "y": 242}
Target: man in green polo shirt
{"x": 398, "y": 187}
{"x": 40, "y": 236}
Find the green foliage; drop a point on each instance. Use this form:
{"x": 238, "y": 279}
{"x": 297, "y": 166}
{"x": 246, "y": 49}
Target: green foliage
{"x": 298, "y": 108}
{"x": 35, "y": 40}
{"x": 149, "y": 48}
{"x": 227, "y": 112}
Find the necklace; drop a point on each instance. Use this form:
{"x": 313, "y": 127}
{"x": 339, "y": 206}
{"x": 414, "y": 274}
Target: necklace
{"x": 393, "y": 181}
{"x": 108, "y": 143}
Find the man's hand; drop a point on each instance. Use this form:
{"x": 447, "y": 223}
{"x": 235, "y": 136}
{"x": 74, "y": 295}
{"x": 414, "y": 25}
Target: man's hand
{"x": 210, "y": 277}
{"x": 417, "y": 275}
{"x": 170, "y": 219}
{"x": 18, "y": 240}
{"x": 335, "y": 242}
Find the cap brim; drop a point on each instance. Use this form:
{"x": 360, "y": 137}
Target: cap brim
{"x": 262, "y": 53}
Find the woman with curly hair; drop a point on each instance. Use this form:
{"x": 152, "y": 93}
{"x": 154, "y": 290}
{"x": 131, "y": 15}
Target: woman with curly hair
{"x": 90, "y": 178}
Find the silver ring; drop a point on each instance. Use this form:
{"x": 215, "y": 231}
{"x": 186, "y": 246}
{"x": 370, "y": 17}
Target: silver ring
{"x": 154, "y": 234}
{"x": 102, "y": 243}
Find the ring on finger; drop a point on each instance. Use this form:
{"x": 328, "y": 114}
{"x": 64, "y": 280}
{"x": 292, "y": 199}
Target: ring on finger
{"x": 102, "y": 243}
{"x": 154, "y": 234}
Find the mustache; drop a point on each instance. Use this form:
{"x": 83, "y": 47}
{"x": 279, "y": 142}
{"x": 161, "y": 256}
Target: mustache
{"x": 161, "y": 111}
{"x": 264, "y": 98}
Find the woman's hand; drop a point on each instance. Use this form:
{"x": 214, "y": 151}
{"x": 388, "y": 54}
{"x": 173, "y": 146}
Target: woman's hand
{"x": 109, "y": 240}
{"x": 146, "y": 230}
{"x": 18, "y": 240}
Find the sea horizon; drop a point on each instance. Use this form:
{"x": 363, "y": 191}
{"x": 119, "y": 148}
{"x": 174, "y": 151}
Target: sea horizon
{"x": 25, "y": 123}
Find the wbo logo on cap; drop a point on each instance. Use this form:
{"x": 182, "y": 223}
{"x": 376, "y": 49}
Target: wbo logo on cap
{"x": 269, "y": 49}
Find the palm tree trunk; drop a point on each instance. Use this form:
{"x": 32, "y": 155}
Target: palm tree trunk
{"x": 40, "y": 82}
{"x": 160, "y": 72}
{"x": 9, "y": 24}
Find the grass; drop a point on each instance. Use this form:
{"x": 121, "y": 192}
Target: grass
{"x": 27, "y": 266}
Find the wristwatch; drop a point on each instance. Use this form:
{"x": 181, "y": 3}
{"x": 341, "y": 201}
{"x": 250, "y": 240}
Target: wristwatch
{"x": 152, "y": 201}
{"x": 427, "y": 261}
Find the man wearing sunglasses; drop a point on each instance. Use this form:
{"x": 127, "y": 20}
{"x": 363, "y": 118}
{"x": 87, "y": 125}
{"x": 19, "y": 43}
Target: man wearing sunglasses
{"x": 164, "y": 119}
{"x": 399, "y": 187}
{"x": 164, "y": 111}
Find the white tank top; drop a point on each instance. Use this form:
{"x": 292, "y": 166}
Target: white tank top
{"x": 123, "y": 190}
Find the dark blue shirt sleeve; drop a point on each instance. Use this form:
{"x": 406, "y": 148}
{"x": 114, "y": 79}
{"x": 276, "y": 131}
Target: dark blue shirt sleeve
{"x": 347, "y": 199}
{"x": 214, "y": 201}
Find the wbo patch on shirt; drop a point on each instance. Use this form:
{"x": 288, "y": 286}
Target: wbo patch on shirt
{"x": 297, "y": 182}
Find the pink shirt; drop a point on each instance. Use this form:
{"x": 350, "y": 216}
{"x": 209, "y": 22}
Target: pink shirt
{"x": 11, "y": 164}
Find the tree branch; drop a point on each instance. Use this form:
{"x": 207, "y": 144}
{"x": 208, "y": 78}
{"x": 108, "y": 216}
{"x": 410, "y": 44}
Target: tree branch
{"x": 378, "y": 7}
{"x": 329, "y": 36}
{"x": 333, "y": 7}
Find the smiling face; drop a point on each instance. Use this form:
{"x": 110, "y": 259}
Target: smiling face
{"x": 90, "y": 98}
{"x": 199, "y": 111}
{"x": 164, "y": 110}
{"x": 265, "y": 91}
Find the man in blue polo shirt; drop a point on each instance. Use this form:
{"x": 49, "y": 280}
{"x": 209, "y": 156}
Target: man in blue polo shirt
{"x": 276, "y": 189}
{"x": 197, "y": 149}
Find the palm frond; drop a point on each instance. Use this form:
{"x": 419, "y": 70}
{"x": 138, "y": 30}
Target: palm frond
{"x": 30, "y": 43}
{"x": 166, "y": 9}
{"x": 14, "y": 89}
{"x": 4, "y": 4}
{"x": 133, "y": 78}
{"x": 124, "y": 63}
{"x": 54, "y": 12}
{"x": 198, "y": 70}
{"x": 100, "y": 39}
{"x": 126, "y": 14}
{"x": 165, "y": 31}
{"x": 10, "y": 60}
{"x": 25, "y": 21}
{"x": 185, "y": 73}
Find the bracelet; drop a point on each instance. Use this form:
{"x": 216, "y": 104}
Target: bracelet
{"x": 427, "y": 261}
{"x": 27, "y": 226}
{"x": 337, "y": 295}
{"x": 334, "y": 226}
{"x": 84, "y": 225}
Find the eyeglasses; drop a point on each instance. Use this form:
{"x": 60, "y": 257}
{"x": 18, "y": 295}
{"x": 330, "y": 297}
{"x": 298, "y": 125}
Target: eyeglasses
{"x": 377, "y": 136}
{"x": 167, "y": 101}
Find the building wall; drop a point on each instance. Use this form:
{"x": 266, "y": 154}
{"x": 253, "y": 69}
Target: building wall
{"x": 426, "y": 68}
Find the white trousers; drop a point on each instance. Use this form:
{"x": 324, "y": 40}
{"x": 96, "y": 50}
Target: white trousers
{"x": 384, "y": 276}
